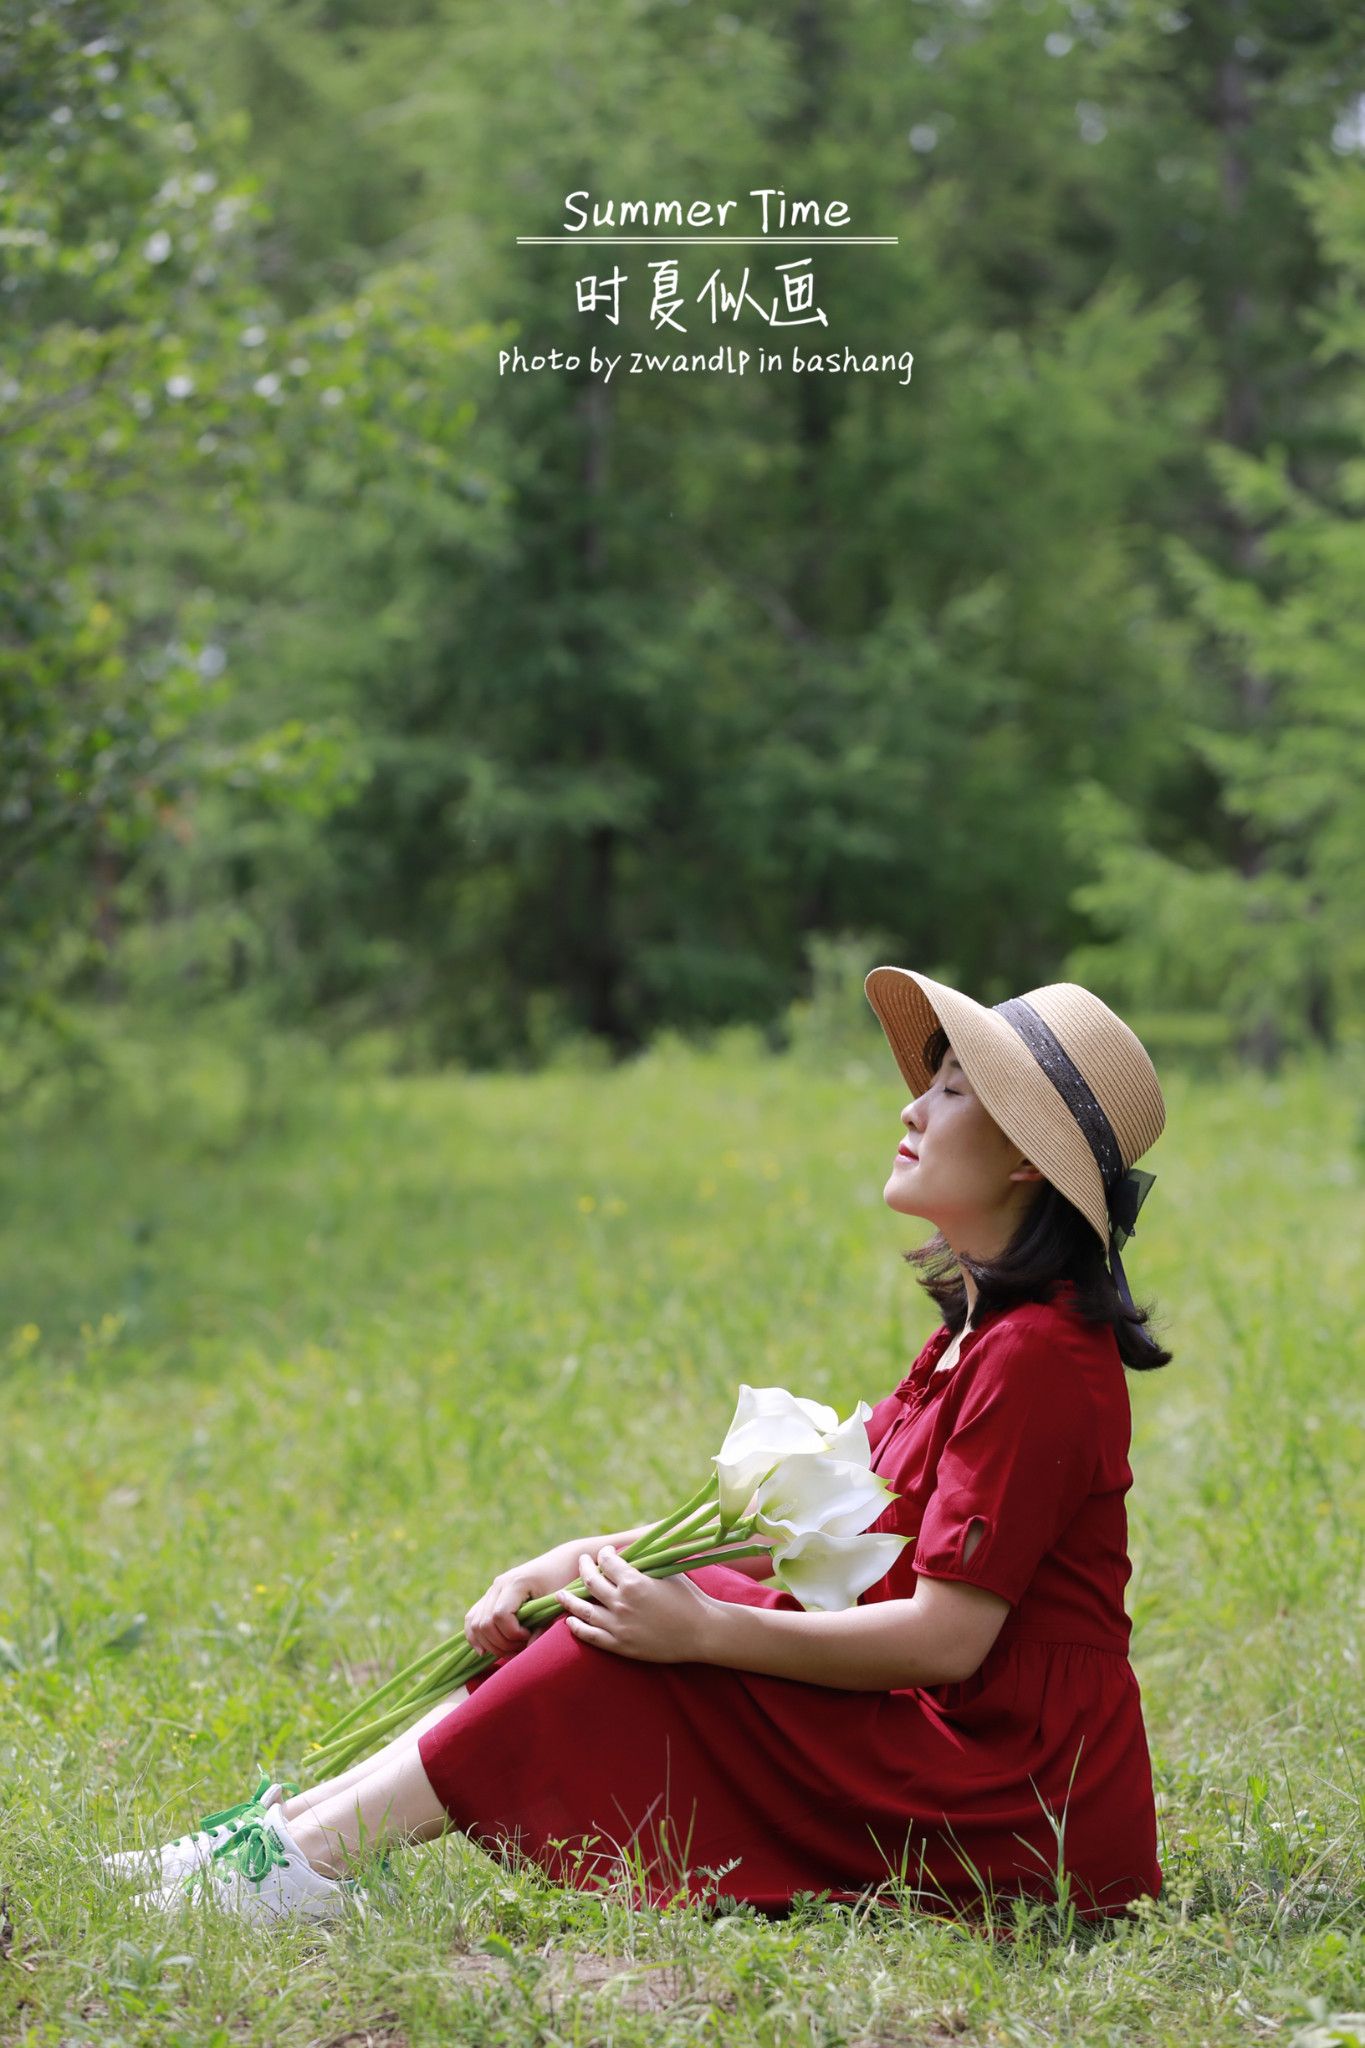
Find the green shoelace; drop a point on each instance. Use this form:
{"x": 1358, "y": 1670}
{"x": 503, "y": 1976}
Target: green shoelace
{"x": 244, "y": 1807}
{"x": 251, "y": 1846}
{"x": 254, "y": 1848}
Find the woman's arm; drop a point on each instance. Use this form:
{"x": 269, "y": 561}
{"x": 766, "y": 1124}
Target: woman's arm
{"x": 937, "y": 1637}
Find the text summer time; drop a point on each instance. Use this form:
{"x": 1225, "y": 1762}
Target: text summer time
{"x": 777, "y": 212}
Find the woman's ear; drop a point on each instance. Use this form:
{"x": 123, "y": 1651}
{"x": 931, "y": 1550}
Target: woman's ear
{"x": 1027, "y": 1171}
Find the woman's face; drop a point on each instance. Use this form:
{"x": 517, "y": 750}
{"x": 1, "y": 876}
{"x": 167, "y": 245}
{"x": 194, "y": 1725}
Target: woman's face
{"x": 964, "y": 1174}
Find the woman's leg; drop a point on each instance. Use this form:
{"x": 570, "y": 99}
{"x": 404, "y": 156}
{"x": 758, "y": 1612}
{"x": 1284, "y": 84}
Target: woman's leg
{"x": 384, "y": 1799}
{"x": 393, "y": 1805}
{"x": 303, "y": 1802}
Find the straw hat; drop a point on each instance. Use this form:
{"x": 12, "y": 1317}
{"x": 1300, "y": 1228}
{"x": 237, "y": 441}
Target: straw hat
{"x": 1057, "y": 1070}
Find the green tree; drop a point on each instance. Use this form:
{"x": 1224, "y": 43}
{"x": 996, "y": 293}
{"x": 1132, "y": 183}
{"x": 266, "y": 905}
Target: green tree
{"x": 1269, "y": 939}
{"x": 749, "y": 661}
{"x": 1231, "y": 895}
{"x": 602, "y": 703}
{"x": 152, "y": 398}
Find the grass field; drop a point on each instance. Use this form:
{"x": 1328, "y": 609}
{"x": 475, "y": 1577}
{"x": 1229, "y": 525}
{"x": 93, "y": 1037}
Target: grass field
{"x": 282, "y": 1391}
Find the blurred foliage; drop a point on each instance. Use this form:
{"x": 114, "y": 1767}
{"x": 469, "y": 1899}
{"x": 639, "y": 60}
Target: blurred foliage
{"x": 492, "y": 718}
{"x": 155, "y": 405}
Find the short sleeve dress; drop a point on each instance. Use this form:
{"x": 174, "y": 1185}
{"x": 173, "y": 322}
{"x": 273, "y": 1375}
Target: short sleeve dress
{"x": 698, "y": 1782}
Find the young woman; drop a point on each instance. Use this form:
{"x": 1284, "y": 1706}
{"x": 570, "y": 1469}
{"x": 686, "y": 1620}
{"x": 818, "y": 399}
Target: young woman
{"x": 973, "y": 1724}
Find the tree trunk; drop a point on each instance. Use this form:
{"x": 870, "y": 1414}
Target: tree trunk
{"x": 107, "y": 873}
{"x": 817, "y": 54}
{"x": 1261, "y": 1041}
{"x": 600, "y": 963}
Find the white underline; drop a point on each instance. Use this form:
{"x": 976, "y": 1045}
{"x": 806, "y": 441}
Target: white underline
{"x": 693, "y": 240}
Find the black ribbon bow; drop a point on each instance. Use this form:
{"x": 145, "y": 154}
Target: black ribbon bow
{"x": 1126, "y": 1197}
{"x": 1125, "y": 1200}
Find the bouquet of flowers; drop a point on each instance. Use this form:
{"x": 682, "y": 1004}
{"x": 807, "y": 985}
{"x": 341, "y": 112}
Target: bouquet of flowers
{"x": 789, "y": 1472}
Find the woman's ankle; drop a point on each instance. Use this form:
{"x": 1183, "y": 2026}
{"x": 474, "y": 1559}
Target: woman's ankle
{"x": 323, "y": 1853}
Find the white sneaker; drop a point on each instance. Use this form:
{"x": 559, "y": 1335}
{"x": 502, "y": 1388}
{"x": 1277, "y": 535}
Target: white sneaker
{"x": 188, "y": 1852}
{"x": 259, "y": 1872}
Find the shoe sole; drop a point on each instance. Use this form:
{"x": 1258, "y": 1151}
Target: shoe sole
{"x": 172, "y": 1898}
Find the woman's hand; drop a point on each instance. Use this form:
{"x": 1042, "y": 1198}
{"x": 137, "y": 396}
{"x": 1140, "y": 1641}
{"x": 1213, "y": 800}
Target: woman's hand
{"x": 659, "y": 1621}
{"x": 491, "y": 1624}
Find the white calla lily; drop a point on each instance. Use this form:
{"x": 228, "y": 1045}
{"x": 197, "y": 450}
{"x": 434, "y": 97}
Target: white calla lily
{"x": 850, "y": 1439}
{"x": 827, "y": 1573}
{"x": 834, "y": 1495}
{"x": 769, "y": 1424}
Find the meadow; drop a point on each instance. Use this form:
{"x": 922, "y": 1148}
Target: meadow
{"x": 288, "y": 1376}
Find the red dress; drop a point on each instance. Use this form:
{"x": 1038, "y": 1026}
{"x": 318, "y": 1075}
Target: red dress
{"x": 719, "y": 1783}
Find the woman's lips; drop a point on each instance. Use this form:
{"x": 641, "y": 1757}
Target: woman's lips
{"x": 904, "y": 1152}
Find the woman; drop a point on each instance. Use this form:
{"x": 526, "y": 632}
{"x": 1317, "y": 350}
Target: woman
{"x": 973, "y": 1725}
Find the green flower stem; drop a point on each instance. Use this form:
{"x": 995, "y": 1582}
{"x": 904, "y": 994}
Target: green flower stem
{"x": 455, "y": 1661}
{"x": 532, "y": 1615}
{"x": 470, "y": 1666}
{"x": 725, "y": 1556}
{"x": 548, "y": 1607}
{"x": 651, "y": 1536}
{"x": 703, "y": 1518}
{"x": 381, "y": 1692}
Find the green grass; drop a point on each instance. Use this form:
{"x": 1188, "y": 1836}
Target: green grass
{"x": 286, "y": 1382}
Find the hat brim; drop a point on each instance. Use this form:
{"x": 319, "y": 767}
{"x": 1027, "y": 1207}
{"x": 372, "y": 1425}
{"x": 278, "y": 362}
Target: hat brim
{"x": 1012, "y": 1087}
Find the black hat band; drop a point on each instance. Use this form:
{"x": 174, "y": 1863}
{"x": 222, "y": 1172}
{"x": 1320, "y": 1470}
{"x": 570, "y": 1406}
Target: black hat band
{"x": 1124, "y": 1192}
{"x": 1070, "y": 1083}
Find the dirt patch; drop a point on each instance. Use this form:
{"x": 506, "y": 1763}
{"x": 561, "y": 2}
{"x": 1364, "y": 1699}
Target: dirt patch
{"x": 383, "y": 2031}
{"x": 641, "y": 1987}
{"x": 469, "y": 1969}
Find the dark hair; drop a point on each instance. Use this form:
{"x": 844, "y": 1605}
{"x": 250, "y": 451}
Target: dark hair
{"x": 1053, "y": 1244}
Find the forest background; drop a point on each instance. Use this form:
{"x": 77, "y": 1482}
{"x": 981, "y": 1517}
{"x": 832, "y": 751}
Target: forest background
{"x": 352, "y": 691}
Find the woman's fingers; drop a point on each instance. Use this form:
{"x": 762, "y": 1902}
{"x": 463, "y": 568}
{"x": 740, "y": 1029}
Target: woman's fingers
{"x": 613, "y": 1565}
{"x": 584, "y": 1619}
{"x": 495, "y": 1640}
{"x": 504, "y": 1631}
{"x": 491, "y": 1626}
{"x": 495, "y": 1643}
{"x": 584, "y": 1631}
{"x": 578, "y": 1609}
{"x": 601, "y": 1587}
